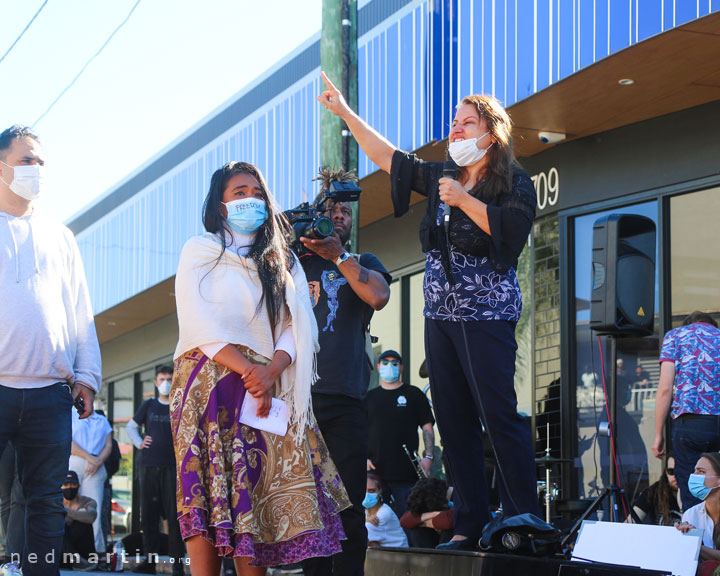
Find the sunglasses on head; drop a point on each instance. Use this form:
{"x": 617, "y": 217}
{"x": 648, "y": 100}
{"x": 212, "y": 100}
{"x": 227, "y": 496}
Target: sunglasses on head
{"x": 385, "y": 362}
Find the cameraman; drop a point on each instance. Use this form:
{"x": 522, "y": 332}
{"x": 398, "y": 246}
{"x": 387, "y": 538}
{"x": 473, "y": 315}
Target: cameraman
{"x": 345, "y": 292}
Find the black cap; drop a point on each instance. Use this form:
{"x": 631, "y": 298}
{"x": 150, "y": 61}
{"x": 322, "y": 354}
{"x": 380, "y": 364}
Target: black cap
{"x": 390, "y": 354}
{"x": 71, "y": 476}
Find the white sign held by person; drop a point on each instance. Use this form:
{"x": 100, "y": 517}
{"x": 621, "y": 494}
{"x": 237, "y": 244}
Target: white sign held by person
{"x": 646, "y": 546}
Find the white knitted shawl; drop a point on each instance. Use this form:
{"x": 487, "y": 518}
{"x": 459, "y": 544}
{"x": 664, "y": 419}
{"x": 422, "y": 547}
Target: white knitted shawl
{"x": 217, "y": 301}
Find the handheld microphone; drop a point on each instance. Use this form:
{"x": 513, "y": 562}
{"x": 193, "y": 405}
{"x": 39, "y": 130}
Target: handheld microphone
{"x": 449, "y": 171}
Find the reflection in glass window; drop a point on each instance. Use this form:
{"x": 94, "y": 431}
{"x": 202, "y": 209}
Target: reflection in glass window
{"x": 385, "y": 326}
{"x": 417, "y": 331}
{"x": 695, "y": 260}
{"x": 637, "y": 379}
{"x": 147, "y": 378}
{"x": 122, "y": 411}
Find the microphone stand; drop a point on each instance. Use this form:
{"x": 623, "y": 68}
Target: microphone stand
{"x": 612, "y": 491}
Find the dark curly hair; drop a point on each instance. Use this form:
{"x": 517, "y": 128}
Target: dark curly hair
{"x": 428, "y": 495}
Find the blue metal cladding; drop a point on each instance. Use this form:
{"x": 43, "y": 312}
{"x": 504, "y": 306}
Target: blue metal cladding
{"x": 413, "y": 68}
{"x": 138, "y": 244}
{"x": 515, "y": 48}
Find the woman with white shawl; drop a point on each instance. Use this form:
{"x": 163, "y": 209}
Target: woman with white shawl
{"x": 248, "y": 336}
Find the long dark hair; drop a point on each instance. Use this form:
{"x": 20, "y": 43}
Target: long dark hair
{"x": 269, "y": 251}
{"x": 501, "y": 158}
{"x": 663, "y": 495}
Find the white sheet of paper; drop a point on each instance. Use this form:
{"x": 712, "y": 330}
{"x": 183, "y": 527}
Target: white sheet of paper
{"x": 650, "y": 547}
{"x": 276, "y": 422}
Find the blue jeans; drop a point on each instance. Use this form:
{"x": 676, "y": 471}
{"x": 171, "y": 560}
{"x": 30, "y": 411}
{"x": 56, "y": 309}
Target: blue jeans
{"x": 37, "y": 421}
{"x": 692, "y": 434}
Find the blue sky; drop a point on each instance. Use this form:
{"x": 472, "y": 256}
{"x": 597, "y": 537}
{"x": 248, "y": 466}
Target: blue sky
{"x": 172, "y": 64}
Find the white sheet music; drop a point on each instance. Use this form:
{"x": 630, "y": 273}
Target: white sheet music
{"x": 276, "y": 422}
{"x": 650, "y": 547}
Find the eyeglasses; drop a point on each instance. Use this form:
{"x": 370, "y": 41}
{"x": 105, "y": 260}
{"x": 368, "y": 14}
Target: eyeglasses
{"x": 385, "y": 362}
{"x": 670, "y": 471}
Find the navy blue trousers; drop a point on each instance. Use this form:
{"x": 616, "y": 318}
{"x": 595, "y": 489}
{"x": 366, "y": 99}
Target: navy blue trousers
{"x": 38, "y": 422}
{"x": 692, "y": 434}
{"x": 343, "y": 424}
{"x": 492, "y": 349}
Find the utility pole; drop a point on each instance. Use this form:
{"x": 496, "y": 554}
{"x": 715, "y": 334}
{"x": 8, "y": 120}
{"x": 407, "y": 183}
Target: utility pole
{"x": 338, "y": 58}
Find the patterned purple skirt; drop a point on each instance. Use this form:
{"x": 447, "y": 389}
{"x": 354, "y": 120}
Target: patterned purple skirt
{"x": 249, "y": 492}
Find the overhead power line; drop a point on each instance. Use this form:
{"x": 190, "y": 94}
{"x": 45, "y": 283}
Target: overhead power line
{"x": 23, "y": 32}
{"x": 87, "y": 64}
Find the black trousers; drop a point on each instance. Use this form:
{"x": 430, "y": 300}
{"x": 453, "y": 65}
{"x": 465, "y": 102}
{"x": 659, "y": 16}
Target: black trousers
{"x": 158, "y": 488}
{"x": 78, "y": 539}
{"x": 492, "y": 349}
{"x": 343, "y": 425}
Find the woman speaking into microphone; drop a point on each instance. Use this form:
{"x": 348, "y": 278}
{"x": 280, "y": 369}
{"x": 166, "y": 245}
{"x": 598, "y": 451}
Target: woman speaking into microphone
{"x": 479, "y": 214}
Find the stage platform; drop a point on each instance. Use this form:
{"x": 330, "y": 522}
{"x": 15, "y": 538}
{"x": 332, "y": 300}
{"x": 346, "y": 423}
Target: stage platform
{"x": 424, "y": 562}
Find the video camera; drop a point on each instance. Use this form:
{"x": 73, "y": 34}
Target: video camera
{"x": 309, "y": 220}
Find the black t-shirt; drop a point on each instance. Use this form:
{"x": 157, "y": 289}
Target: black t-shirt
{"x": 394, "y": 417}
{"x": 156, "y": 419}
{"x": 343, "y": 366}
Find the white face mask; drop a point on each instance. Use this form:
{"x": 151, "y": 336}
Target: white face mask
{"x": 28, "y": 181}
{"x": 164, "y": 387}
{"x": 466, "y": 152}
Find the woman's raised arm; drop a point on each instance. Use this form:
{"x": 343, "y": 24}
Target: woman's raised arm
{"x": 376, "y": 146}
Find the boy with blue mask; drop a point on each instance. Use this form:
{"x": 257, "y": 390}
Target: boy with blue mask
{"x": 396, "y": 411}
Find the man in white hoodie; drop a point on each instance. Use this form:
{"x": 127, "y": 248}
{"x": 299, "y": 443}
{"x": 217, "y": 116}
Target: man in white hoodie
{"x": 49, "y": 352}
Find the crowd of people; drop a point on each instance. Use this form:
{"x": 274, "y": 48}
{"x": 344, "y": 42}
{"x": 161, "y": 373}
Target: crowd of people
{"x": 263, "y": 445}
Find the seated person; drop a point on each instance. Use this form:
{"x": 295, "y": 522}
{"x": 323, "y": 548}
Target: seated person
{"x": 79, "y": 540}
{"x": 429, "y": 517}
{"x": 381, "y": 522}
{"x": 704, "y": 484}
{"x": 659, "y": 504}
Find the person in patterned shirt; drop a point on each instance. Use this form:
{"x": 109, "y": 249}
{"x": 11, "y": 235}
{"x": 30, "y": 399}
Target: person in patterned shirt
{"x": 689, "y": 363}
{"x": 475, "y": 226}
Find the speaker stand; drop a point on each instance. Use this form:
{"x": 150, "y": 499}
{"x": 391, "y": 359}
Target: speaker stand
{"x": 612, "y": 492}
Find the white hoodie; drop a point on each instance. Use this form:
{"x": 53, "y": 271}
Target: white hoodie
{"x": 47, "y": 332}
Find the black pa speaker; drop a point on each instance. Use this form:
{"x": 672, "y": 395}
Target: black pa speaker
{"x": 623, "y": 275}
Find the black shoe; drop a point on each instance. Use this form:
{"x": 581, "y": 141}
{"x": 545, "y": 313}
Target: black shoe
{"x": 467, "y": 544}
{"x": 145, "y": 568}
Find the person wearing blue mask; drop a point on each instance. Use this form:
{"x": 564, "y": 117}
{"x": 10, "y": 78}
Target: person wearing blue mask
{"x": 395, "y": 412}
{"x": 248, "y": 338}
{"x": 704, "y": 485}
{"x": 381, "y": 522}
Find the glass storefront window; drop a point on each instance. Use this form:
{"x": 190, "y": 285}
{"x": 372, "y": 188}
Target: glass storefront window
{"x": 386, "y": 327}
{"x": 147, "y": 380}
{"x": 122, "y": 410}
{"x": 417, "y": 331}
{"x": 637, "y": 379}
{"x": 695, "y": 268}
